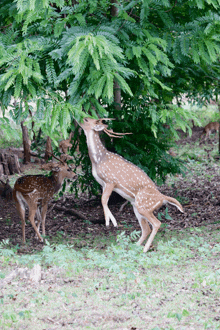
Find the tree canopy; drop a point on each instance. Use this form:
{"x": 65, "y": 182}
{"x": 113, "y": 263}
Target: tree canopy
{"x": 68, "y": 58}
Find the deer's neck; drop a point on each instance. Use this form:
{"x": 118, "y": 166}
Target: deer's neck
{"x": 57, "y": 180}
{"x": 96, "y": 149}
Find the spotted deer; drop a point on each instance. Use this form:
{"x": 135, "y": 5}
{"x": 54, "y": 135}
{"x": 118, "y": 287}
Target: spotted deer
{"x": 114, "y": 173}
{"x": 34, "y": 191}
{"x": 209, "y": 128}
{"x": 65, "y": 145}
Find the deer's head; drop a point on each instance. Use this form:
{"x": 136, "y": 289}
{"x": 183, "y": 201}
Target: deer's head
{"x": 98, "y": 125}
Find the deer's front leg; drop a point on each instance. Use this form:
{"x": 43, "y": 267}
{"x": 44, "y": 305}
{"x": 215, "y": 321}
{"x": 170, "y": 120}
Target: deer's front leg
{"x": 107, "y": 190}
{"x": 43, "y": 215}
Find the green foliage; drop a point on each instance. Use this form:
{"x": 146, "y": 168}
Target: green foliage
{"x": 149, "y": 143}
{"x": 206, "y": 114}
{"x": 61, "y": 61}
{"x": 99, "y": 55}
{"x": 9, "y": 134}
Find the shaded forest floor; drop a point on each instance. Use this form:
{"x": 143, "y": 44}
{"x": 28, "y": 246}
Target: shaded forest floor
{"x": 200, "y": 197}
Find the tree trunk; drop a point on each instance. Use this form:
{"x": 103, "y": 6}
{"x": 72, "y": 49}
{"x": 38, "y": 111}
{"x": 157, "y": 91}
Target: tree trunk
{"x": 117, "y": 96}
{"x": 48, "y": 151}
{"x": 26, "y": 144}
{"x": 14, "y": 165}
{"x": 32, "y": 125}
{"x": 219, "y": 132}
{"x": 117, "y": 89}
{"x": 4, "y": 162}
{"x": 9, "y": 164}
{"x": 1, "y": 170}
{"x": 39, "y": 135}
{"x": 114, "y": 9}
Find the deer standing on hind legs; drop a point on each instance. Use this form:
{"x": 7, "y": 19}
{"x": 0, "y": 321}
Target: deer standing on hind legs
{"x": 36, "y": 190}
{"x": 115, "y": 173}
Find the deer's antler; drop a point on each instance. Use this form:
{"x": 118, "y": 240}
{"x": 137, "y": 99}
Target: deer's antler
{"x": 60, "y": 160}
{"x": 107, "y": 119}
{"x": 111, "y": 133}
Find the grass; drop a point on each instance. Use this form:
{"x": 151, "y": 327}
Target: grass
{"x": 175, "y": 287}
{"x": 198, "y": 152}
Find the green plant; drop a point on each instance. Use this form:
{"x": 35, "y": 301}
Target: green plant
{"x": 65, "y": 61}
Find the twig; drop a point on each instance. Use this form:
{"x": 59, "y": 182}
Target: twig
{"x": 73, "y": 212}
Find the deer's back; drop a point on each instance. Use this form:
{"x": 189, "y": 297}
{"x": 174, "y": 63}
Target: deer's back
{"x": 117, "y": 170}
{"x": 40, "y": 185}
{"x": 212, "y": 126}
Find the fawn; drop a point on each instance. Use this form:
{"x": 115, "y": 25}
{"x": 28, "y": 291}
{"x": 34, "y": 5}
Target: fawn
{"x": 210, "y": 128}
{"x": 36, "y": 190}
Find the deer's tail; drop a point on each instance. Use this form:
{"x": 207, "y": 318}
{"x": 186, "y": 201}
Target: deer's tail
{"x": 174, "y": 202}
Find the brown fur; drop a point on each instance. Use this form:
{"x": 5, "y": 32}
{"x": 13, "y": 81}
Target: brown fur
{"x": 209, "y": 128}
{"x": 32, "y": 190}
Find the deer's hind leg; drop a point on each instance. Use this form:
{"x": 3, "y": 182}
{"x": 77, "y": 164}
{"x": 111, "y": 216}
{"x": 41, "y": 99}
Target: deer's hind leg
{"x": 20, "y": 206}
{"x": 146, "y": 202}
{"x": 43, "y": 216}
{"x": 145, "y": 228}
{"x": 155, "y": 225}
{"x": 33, "y": 207}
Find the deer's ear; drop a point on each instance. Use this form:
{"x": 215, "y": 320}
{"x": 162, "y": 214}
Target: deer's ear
{"x": 99, "y": 127}
{"x": 55, "y": 169}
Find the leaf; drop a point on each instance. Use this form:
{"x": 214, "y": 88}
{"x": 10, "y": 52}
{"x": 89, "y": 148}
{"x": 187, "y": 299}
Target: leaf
{"x": 55, "y": 116}
{"x": 123, "y": 84}
{"x": 95, "y": 58}
{"x": 171, "y": 314}
{"x": 137, "y": 51}
{"x": 64, "y": 119}
{"x": 10, "y": 82}
{"x": 167, "y": 216}
{"x": 18, "y": 86}
{"x": 108, "y": 89}
{"x": 185, "y": 312}
{"x": 31, "y": 89}
{"x": 59, "y": 27}
{"x": 151, "y": 58}
{"x": 178, "y": 316}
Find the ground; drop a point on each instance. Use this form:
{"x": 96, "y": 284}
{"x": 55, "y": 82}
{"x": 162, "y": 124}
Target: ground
{"x": 97, "y": 282}
{"x": 200, "y": 199}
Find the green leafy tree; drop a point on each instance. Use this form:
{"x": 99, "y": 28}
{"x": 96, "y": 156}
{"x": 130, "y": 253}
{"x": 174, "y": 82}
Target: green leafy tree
{"x": 70, "y": 58}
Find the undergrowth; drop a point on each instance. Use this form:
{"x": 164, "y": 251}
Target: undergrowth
{"x": 171, "y": 249}
{"x": 183, "y": 268}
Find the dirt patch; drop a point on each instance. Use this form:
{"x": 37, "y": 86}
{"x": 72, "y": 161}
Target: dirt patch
{"x": 185, "y": 138}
